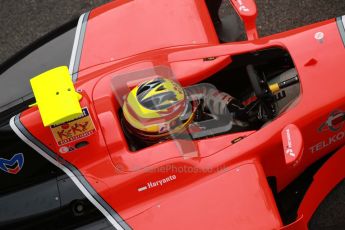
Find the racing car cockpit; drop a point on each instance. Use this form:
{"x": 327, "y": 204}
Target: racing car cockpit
{"x": 251, "y": 91}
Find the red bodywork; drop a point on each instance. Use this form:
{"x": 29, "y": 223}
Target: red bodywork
{"x": 228, "y": 188}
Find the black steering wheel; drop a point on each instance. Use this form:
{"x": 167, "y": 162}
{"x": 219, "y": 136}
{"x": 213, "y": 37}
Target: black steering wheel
{"x": 262, "y": 92}
{"x": 259, "y": 85}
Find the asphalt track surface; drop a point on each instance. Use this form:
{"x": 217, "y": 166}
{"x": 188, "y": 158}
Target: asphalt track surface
{"x": 24, "y": 21}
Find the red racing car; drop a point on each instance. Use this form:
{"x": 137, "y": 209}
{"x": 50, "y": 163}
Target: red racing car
{"x": 170, "y": 117}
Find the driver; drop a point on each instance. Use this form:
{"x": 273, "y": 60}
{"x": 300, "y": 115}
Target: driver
{"x": 161, "y": 109}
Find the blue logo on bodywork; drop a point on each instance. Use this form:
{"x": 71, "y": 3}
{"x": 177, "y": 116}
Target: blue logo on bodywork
{"x": 14, "y": 165}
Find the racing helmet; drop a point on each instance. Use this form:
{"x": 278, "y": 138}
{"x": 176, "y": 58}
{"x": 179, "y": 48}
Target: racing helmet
{"x": 157, "y": 108}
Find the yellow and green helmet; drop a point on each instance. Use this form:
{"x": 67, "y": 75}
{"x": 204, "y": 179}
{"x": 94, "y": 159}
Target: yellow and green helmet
{"x": 157, "y": 108}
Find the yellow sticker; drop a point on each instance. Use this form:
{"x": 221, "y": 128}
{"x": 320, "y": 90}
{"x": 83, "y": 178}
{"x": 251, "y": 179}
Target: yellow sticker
{"x": 74, "y": 130}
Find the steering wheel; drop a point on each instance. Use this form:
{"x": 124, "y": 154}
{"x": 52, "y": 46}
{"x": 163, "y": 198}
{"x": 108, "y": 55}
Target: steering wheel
{"x": 259, "y": 85}
{"x": 262, "y": 91}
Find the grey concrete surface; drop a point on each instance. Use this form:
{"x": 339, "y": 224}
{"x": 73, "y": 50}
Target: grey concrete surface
{"x": 281, "y": 15}
{"x": 23, "y": 21}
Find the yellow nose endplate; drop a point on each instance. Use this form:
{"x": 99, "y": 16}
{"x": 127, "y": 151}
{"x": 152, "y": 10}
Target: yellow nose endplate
{"x": 56, "y": 98}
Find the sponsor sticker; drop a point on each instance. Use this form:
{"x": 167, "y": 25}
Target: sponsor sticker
{"x": 334, "y": 122}
{"x": 74, "y": 130}
{"x": 334, "y": 139}
{"x": 242, "y": 6}
{"x": 157, "y": 184}
{"x": 13, "y": 165}
{"x": 66, "y": 149}
{"x": 292, "y": 144}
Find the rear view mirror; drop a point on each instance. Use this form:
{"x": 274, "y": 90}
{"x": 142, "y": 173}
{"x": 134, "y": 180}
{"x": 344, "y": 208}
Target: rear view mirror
{"x": 292, "y": 144}
{"x": 247, "y": 11}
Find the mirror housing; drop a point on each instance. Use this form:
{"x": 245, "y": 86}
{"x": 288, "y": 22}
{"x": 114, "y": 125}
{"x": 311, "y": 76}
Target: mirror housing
{"x": 292, "y": 144}
{"x": 247, "y": 11}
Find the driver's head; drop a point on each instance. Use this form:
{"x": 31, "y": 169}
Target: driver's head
{"x": 156, "y": 109}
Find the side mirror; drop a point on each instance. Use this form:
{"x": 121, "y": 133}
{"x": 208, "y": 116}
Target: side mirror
{"x": 247, "y": 11}
{"x": 292, "y": 144}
